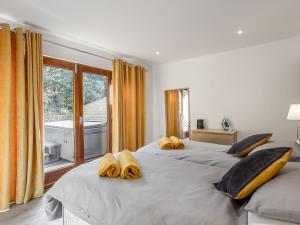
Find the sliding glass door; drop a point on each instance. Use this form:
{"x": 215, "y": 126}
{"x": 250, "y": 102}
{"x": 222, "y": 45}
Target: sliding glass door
{"x": 76, "y": 115}
{"x": 95, "y": 100}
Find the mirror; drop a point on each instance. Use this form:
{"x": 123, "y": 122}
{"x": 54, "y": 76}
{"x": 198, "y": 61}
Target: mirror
{"x": 177, "y": 113}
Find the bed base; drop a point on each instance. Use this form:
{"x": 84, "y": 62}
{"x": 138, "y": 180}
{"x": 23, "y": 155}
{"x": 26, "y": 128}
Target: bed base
{"x": 71, "y": 219}
{"x": 253, "y": 219}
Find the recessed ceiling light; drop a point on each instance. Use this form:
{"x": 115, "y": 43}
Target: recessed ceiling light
{"x": 240, "y": 32}
{"x": 157, "y": 53}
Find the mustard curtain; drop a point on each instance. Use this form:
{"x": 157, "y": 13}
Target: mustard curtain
{"x": 128, "y": 108}
{"x": 172, "y": 113}
{"x": 21, "y": 155}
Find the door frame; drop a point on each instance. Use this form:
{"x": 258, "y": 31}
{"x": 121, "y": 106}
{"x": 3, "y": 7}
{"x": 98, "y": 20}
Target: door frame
{"x": 52, "y": 176}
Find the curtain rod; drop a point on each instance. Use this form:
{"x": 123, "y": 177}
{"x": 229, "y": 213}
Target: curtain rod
{"x": 85, "y": 52}
{"x": 78, "y": 50}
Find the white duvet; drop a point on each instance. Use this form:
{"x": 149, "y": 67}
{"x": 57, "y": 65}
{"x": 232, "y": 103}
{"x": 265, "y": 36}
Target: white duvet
{"x": 196, "y": 152}
{"x": 170, "y": 192}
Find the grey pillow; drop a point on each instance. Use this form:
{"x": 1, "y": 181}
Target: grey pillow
{"x": 280, "y": 197}
{"x": 281, "y": 143}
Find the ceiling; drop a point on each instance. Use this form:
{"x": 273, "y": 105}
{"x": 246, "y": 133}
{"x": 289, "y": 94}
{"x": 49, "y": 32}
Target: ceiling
{"x": 178, "y": 29}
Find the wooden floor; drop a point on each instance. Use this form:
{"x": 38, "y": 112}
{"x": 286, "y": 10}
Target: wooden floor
{"x": 30, "y": 214}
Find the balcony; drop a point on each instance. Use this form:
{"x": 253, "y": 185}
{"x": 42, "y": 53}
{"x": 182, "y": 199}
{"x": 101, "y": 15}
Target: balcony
{"x": 59, "y": 143}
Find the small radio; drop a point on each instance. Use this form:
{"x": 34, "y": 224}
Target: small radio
{"x": 200, "y": 124}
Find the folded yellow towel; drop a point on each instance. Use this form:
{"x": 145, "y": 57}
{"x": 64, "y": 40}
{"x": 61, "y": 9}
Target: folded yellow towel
{"x": 178, "y": 144}
{"x": 165, "y": 143}
{"x": 109, "y": 166}
{"x": 130, "y": 169}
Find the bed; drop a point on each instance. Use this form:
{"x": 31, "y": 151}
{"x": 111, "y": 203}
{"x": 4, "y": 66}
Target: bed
{"x": 170, "y": 191}
{"x": 173, "y": 190}
{"x": 215, "y": 155}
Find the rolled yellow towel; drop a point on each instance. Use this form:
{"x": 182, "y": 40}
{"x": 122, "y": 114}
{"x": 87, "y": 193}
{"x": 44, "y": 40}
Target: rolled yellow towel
{"x": 130, "y": 169}
{"x": 178, "y": 144}
{"x": 109, "y": 166}
{"x": 165, "y": 143}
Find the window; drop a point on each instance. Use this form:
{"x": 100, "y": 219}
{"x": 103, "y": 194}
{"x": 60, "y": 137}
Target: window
{"x": 77, "y": 124}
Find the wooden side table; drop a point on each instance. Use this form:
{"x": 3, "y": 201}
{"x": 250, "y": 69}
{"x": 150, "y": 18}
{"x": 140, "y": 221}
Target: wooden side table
{"x": 215, "y": 136}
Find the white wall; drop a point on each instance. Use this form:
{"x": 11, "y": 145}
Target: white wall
{"x": 253, "y": 87}
{"x": 61, "y": 52}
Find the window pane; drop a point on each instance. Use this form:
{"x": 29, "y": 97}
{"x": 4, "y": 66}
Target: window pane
{"x": 58, "y": 117}
{"x": 95, "y": 88}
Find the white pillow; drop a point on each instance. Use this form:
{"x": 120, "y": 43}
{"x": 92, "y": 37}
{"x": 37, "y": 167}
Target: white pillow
{"x": 280, "y": 197}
